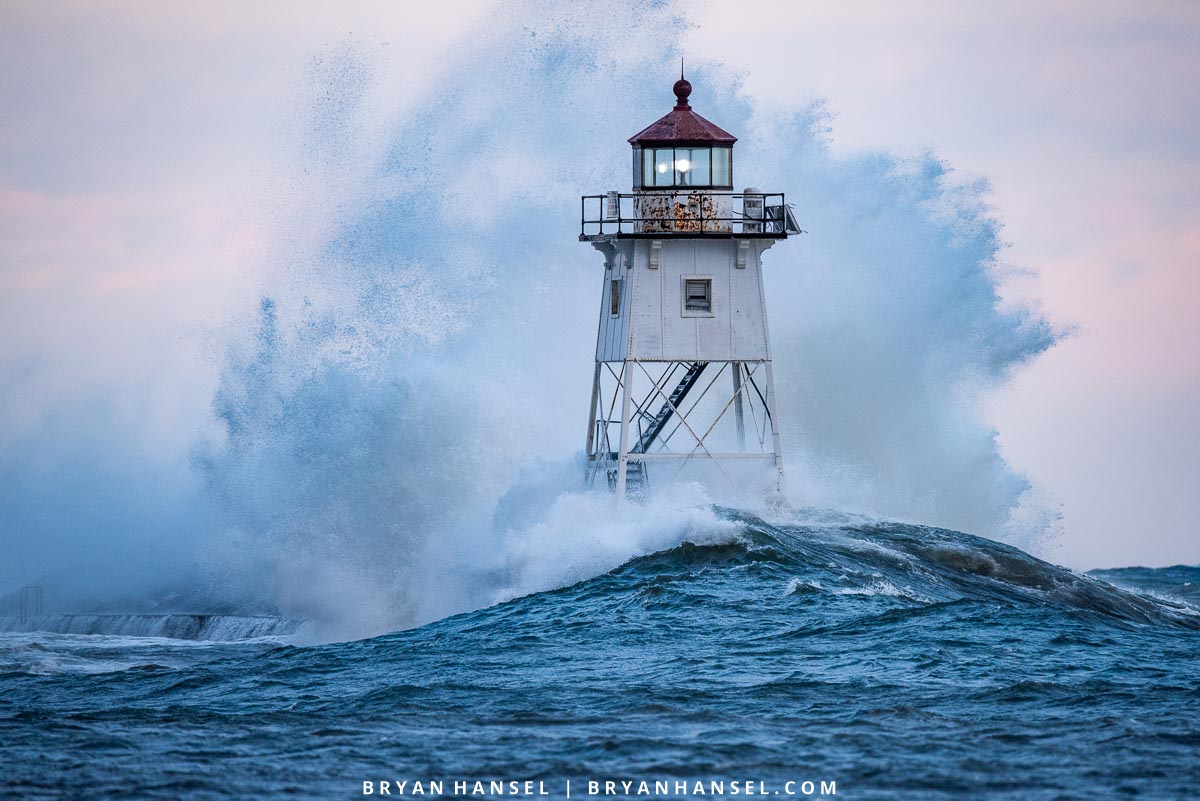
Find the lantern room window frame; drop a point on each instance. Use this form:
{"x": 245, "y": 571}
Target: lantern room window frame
{"x": 648, "y": 159}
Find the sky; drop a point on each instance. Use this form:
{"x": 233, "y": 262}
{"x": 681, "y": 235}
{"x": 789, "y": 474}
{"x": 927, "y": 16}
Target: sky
{"x": 143, "y": 150}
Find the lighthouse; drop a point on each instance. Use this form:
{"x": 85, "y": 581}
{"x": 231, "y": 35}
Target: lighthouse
{"x": 683, "y": 379}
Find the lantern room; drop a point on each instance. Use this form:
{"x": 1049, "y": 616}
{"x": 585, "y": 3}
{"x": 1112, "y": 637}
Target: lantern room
{"x": 682, "y": 150}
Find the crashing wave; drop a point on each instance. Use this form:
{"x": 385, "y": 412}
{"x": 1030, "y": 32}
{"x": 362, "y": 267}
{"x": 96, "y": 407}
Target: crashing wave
{"x": 854, "y": 569}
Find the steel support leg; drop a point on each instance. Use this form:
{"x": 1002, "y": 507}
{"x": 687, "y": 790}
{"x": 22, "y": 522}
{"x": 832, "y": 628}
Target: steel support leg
{"x": 776, "y": 440}
{"x": 737, "y": 406}
{"x": 593, "y": 464}
{"x": 623, "y": 458}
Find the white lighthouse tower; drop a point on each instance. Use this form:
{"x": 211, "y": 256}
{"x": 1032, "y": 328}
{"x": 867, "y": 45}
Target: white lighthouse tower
{"x": 683, "y": 375}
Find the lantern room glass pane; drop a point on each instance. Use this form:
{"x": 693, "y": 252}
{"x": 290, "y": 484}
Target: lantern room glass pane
{"x": 722, "y": 166}
{"x": 663, "y": 166}
{"x": 691, "y": 166}
{"x": 683, "y": 167}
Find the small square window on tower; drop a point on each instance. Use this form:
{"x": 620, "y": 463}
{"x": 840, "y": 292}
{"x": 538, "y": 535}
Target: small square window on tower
{"x": 697, "y": 297}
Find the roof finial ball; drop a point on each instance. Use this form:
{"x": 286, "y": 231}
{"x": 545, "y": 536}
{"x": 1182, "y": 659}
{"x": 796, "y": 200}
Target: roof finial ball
{"x": 682, "y": 90}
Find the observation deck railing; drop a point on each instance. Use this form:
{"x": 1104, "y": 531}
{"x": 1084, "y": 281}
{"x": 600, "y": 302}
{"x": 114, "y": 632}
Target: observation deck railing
{"x": 657, "y": 214}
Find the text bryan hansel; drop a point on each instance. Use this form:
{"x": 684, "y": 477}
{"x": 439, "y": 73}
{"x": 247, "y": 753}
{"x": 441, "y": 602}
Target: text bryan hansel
{"x": 596, "y": 788}
{"x": 437, "y": 787}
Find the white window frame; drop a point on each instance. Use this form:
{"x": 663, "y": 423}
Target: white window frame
{"x": 616, "y": 288}
{"x": 712, "y": 296}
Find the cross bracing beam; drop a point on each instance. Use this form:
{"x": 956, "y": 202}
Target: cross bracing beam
{"x": 626, "y": 396}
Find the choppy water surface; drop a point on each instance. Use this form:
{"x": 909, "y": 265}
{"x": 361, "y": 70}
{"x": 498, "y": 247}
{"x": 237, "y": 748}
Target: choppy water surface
{"x": 899, "y": 661}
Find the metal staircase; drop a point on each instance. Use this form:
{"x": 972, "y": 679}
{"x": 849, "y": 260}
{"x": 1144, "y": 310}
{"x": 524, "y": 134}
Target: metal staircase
{"x": 635, "y": 471}
{"x": 660, "y": 420}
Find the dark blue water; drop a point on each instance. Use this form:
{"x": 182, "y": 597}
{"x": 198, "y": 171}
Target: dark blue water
{"x": 898, "y": 661}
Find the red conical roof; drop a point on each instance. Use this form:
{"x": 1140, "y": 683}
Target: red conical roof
{"x": 682, "y": 126}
